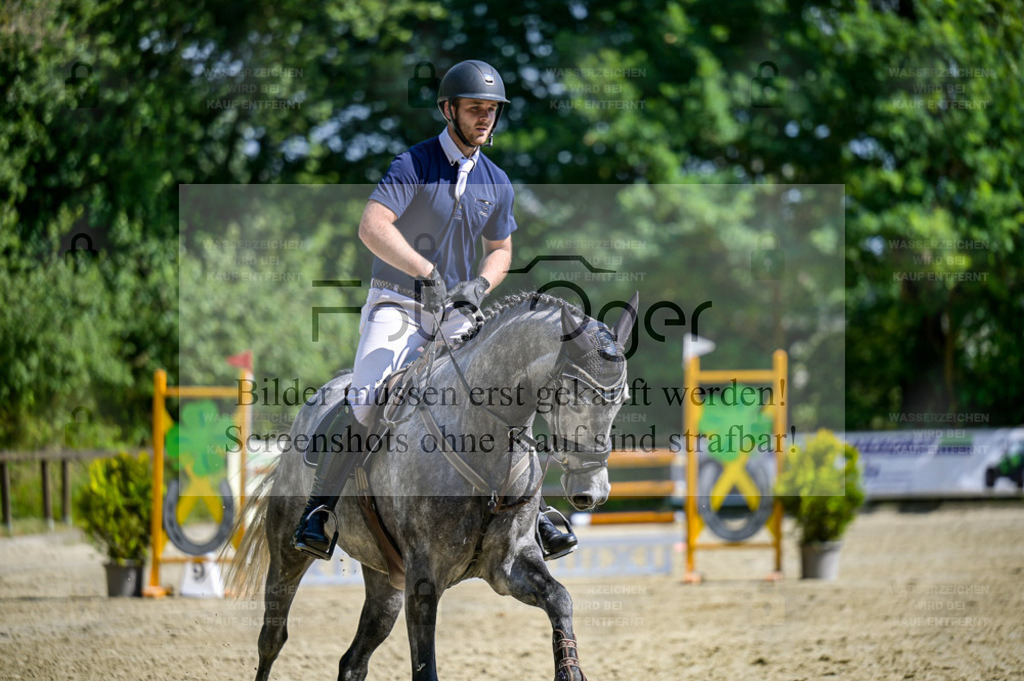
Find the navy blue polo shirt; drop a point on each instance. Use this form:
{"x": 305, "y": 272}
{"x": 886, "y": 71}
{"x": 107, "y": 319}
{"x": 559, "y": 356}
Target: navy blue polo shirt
{"x": 420, "y": 188}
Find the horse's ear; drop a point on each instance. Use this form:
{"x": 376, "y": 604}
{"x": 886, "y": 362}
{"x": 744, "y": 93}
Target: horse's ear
{"x": 624, "y": 326}
{"x": 573, "y": 331}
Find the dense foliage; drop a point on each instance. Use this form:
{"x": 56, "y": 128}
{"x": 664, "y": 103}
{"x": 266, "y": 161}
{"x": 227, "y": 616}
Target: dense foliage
{"x": 820, "y": 487}
{"x": 116, "y": 506}
{"x": 620, "y": 91}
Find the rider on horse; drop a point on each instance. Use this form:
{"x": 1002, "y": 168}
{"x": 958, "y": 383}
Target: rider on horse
{"x": 422, "y": 223}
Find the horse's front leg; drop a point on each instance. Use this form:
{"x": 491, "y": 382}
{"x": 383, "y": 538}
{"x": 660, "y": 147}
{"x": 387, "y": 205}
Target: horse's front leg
{"x": 421, "y": 596}
{"x": 528, "y": 580}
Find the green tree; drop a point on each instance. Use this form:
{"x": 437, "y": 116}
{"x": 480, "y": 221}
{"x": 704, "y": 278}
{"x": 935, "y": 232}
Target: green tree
{"x": 856, "y": 106}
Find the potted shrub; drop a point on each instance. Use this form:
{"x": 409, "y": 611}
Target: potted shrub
{"x": 115, "y": 511}
{"x": 820, "y": 487}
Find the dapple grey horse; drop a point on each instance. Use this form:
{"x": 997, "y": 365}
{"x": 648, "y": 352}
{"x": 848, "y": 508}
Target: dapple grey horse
{"x": 532, "y": 354}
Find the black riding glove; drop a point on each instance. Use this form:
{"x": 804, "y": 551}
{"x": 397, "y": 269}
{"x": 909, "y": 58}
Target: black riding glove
{"x": 470, "y": 292}
{"x": 432, "y": 291}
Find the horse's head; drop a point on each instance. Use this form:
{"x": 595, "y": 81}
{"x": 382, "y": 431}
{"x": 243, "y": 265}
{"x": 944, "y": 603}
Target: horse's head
{"x": 587, "y": 391}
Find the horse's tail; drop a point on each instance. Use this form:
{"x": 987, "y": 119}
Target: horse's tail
{"x": 247, "y": 572}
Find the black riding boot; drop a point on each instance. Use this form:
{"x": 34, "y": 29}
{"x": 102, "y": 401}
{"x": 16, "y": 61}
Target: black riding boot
{"x": 332, "y": 471}
{"x": 311, "y": 535}
{"x": 553, "y": 542}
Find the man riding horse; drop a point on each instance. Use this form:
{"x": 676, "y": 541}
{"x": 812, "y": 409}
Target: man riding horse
{"x": 422, "y": 223}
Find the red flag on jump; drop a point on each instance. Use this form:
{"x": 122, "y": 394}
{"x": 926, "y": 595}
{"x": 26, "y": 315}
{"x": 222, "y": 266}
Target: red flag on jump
{"x": 242, "y": 360}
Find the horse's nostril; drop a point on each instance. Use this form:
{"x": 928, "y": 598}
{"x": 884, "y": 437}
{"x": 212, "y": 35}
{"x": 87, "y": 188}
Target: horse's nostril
{"x": 582, "y": 500}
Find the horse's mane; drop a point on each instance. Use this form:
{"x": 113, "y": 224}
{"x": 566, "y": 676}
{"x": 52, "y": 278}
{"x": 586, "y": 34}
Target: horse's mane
{"x": 500, "y": 308}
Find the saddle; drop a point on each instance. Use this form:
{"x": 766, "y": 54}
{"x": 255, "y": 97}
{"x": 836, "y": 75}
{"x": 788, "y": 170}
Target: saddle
{"x": 384, "y": 416}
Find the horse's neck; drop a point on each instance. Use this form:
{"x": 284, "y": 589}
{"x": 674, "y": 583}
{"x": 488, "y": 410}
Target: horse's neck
{"x": 513, "y": 352}
{"x": 513, "y": 360}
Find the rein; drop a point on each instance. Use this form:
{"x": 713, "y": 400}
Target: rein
{"x": 496, "y": 504}
{"x": 592, "y": 457}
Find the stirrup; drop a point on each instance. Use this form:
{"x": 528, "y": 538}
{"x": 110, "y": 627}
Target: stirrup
{"x": 301, "y": 545}
{"x": 558, "y": 515}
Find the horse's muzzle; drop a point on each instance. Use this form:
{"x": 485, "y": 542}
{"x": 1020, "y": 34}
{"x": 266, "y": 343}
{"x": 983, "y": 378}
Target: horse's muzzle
{"x": 586, "y": 490}
{"x": 582, "y": 502}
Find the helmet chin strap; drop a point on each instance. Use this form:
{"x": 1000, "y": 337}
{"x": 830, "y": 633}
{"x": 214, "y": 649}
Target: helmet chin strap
{"x": 454, "y": 120}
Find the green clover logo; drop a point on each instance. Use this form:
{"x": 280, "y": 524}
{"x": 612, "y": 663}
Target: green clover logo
{"x": 733, "y": 429}
{"x": 201, "y": 437}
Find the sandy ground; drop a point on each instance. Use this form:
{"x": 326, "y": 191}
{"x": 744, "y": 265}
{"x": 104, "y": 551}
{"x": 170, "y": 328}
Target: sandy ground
{"x": 921, "y": 596}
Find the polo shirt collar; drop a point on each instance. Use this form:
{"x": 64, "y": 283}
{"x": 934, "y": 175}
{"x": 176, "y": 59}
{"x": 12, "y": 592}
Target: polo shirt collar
{"x": 451, "y": 150}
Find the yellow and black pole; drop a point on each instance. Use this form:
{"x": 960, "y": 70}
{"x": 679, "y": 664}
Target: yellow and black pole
{"x": 694, "y": 378}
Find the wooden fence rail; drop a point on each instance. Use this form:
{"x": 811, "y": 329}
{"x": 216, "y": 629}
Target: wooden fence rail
{"x": 45, "y": 458}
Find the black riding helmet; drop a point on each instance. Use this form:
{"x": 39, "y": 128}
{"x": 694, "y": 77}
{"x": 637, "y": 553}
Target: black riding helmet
{"x": 472, "y": 79}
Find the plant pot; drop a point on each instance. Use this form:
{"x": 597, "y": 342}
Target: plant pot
{"x": 820, "y": 560}
{"x": 124, "y": 580}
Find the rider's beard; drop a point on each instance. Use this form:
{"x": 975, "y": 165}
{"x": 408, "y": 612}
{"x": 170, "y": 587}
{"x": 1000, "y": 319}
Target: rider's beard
{"x": 471, "y": 134}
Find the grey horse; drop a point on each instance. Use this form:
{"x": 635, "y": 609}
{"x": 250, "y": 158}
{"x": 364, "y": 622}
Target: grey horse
{"x": 532, "y": 354}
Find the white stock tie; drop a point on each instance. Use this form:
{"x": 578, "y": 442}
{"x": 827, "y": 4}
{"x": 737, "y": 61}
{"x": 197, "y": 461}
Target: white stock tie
{"x": 465, "y": 165}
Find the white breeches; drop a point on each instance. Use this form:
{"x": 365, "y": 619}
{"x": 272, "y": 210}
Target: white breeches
{"x": 393, "y": 328}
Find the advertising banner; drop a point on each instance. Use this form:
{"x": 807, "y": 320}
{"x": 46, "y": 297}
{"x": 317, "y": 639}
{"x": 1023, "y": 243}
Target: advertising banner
{"x": 941, "y": 462}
